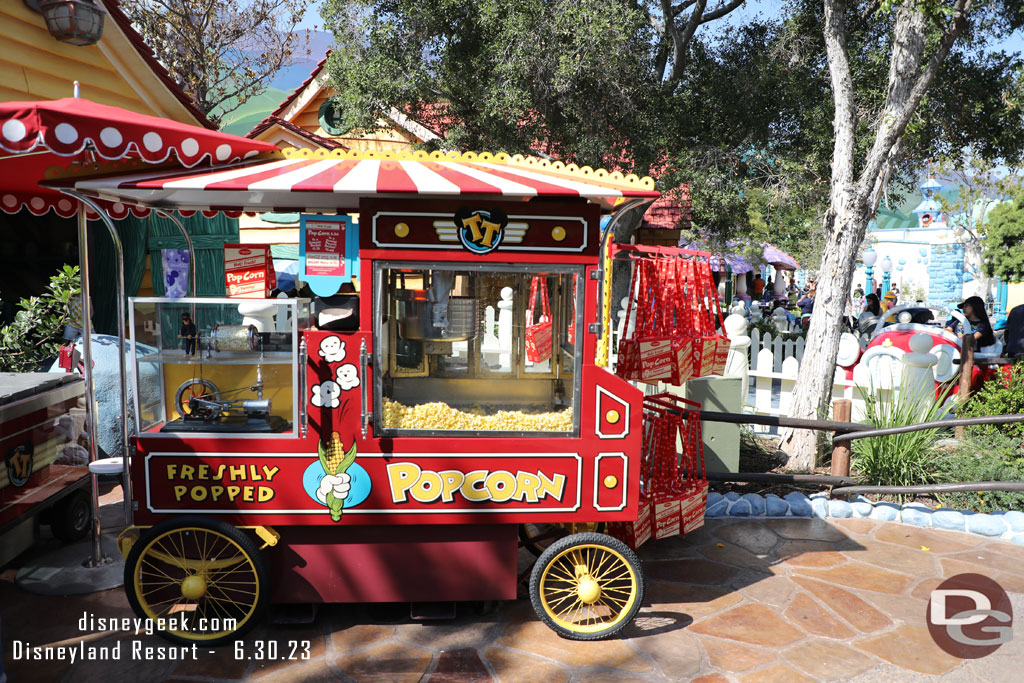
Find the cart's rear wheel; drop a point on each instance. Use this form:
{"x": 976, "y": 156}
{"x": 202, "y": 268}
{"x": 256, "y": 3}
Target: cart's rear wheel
{"x": 194, "y": 388}
{"x": 204, "y": 572}
{"x": 587, "y": 586}
{"x": 538, "y": 537}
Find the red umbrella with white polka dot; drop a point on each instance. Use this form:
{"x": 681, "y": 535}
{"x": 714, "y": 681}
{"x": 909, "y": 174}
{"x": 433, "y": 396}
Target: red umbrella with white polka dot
{"x": 36, "y": 136}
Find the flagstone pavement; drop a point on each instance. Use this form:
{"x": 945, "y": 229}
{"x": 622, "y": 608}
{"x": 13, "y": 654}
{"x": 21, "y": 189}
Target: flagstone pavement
{"x": 740, "y": 600}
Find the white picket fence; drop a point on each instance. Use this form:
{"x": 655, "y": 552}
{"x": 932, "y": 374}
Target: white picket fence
{"x": 774, "y": 367}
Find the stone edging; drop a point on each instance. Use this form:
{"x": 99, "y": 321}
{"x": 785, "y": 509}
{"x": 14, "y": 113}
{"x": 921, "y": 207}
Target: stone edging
{"x": 1004, "y": 525}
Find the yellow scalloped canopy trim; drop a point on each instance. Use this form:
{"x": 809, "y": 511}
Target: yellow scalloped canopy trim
{"x": 556, "y": 168}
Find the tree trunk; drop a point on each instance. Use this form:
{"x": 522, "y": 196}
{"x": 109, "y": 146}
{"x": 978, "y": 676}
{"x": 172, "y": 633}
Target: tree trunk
{"x": 853, "y": 201}
{"x": 844, "y": 231}
{"x": 974, "y": 253}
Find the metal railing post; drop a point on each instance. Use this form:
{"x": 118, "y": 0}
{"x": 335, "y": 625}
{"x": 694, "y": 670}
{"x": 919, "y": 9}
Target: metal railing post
{"x": 97, "y": 558}
{"x": 126, "y": 483}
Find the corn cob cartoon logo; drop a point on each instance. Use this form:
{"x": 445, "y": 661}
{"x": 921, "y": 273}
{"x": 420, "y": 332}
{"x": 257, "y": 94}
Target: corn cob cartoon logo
{"x": 336, "y": 483}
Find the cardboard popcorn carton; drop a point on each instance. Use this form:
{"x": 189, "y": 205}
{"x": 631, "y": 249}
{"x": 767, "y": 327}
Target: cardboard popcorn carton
{"x": 709, "y": 348}
{"x": 656, "y": 359}
{"x": 666, "y": 516}
{"x": 248, "y": 271}
{"x": 684, "y": 359}
{"x": 692, "y": 507}
{"x": 636, "y": 533}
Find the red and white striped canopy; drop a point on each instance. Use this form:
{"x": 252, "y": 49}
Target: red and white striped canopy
{"x": 37, "y": 136}
{"x": 321, "y": 182}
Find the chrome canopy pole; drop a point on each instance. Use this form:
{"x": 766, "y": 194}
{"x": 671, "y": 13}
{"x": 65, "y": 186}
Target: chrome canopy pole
{"x": 126, "y": 482}
{"x": 597, "y": 328}
{"x": 97, "y": 558}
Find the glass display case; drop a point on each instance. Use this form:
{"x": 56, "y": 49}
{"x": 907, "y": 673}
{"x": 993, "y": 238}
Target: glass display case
{"x": 216, "y": 366}
{"x": 474, "y": 349}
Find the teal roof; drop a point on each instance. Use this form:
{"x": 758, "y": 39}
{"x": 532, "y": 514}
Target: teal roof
{"x": 282, "y": 218}
{"x": 285, "y": 251}
{"x": 888, "y": 219}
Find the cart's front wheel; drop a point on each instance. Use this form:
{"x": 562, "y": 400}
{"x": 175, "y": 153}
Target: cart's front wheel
{"x": 203, "y": 577}
{"x": 587, "y": 586}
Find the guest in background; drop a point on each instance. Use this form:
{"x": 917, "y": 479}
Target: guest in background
{"x": 981, "y": 328}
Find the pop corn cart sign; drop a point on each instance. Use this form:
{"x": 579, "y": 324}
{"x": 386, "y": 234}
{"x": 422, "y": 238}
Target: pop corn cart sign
{"x": 248, "y": 271}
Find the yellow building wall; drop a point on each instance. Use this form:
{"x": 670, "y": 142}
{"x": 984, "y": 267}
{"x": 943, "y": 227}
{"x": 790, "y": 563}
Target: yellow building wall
{"x": 1014, "y": 295}
{"x": 36, "y": 66}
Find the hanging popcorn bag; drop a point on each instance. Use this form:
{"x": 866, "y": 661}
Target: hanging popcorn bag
{"x": 657, "y": 360}
{"x": 693, "y": 502}
{"x": 722, "y": 349}
{"x": 689, "y": 480}
{"x": 681, "y": 309}
{"x": 637, "y": 532}
{"x": 538, "y": 332}
{"x": 665, "y": 496}
{"x": 702, "y": 351}
{"x": 571, "y": 334}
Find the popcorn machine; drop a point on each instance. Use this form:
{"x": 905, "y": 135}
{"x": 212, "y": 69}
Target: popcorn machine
{"x": 398, "y": 461}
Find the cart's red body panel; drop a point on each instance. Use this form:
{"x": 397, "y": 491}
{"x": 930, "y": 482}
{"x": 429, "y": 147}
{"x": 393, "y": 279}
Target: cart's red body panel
{"x": 396, "y": 564}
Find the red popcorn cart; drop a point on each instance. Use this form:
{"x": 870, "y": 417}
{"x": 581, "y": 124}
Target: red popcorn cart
{"x": 292, "y": 460}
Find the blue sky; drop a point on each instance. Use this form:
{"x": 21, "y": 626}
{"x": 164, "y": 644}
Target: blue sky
{"x": 753, "y": 8}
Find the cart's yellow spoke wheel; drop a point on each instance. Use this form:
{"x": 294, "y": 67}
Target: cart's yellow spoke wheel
{"x": 587, "y": 586}
{"x": 202, "y": 577}
{"x": 537, "y": 537}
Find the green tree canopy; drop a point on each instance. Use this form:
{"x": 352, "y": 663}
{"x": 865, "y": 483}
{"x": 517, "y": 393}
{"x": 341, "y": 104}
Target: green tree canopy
{"x": 1004, "y": 241}
{"x": 742, "y": 113}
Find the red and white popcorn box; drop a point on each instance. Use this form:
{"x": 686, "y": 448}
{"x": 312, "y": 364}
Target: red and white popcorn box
{"x": 692, "y": 507}
{"x": 666, "y": 515}
{"x": 635, "y": 533}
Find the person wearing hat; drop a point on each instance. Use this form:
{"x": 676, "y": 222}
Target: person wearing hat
{"x": 974, "y": 311}
{"x": 889, "y": 301}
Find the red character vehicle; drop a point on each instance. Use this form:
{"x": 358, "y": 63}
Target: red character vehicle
{"x": 396, "y": 461}
{"x": 880, "y": 365}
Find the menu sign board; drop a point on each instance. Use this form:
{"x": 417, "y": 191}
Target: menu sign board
{"x": 325, "y": 248}
{"x": 328, "y": 252}
{"x": 248, "y": 271}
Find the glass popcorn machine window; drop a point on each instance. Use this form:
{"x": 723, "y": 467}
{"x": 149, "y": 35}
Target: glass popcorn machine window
{"x": 216, "y": 366}
{"x": 476, "y": 349}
